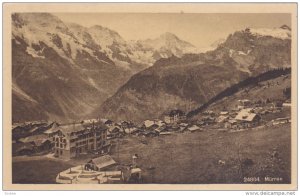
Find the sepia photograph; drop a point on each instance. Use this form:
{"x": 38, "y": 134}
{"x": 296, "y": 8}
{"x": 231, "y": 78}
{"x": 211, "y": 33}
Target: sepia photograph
{"x": 169, "y": 96}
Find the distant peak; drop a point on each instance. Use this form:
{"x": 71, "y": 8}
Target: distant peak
{"x": 99, "y": 27}
{"x": 168, "y": 35}
{"x": 285, "y": 27}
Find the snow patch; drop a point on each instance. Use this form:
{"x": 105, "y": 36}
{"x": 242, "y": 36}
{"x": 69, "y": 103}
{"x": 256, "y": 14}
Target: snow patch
{"x": 33, "y": 53}
{"x": 231, "y": 51}
{"x": 242, "y": 53}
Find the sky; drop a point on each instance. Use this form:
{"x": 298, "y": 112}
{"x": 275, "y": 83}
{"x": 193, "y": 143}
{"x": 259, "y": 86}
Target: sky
{"x": 201, "y": 30}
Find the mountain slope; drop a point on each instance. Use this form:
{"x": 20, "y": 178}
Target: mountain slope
{"x": 68, "y": 69}
{"x": 192, "y": 80}
{"x": 272, "y": 85}
{"x": 58, "y": 70}
{"x": 272, "y": 90}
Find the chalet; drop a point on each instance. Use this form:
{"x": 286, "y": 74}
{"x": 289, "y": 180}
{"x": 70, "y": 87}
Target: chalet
{"x": 159, "y": 122}
{"x": 109, "y": 123}
{"x": 286, "y": 104}
{"x": 224, "y": 113}
{"x": 135, "y": 131}
{"x": 243, "y": 103}
{"x": 161, "y": 128}
{"x": 22, "y": 149}
{"x": 183, "y": 127}
{"x": 201, "y": 123}
{"x": 246, "y": 118}
{"x": 222, "y": 119}
{"x": 231, "y": 123}
{"x": 148, "y": 123}
{"x": 115, "y": 132}
{"x": 194, "y": 128}
{"x": 101, "y": 163}
{"x": 43, "y": 145}
{"x": 174, "y": 116}
{"x": 130, "y": 130}
{"x": 173, "y": 127}
{"x": 31, "y": 139}
{"x": 74, "y": 139}
{"x": 93, "y": 120}
{"x": 127, "y": 126}
{"x": 209, "y": 113}
{"x": 53, "y": 129}
{"x": 208, "y": 120}
{"x": 279, "y": 121}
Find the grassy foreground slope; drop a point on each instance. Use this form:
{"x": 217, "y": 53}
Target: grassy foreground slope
{"x": 193, "y": 157}
{"x": 185, "y": 158}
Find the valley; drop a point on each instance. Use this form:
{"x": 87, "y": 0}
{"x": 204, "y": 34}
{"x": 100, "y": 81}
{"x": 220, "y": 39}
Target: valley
{"x": 92, "y": 107}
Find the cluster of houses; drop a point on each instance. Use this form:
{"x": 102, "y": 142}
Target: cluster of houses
{"x": 94, "y": 135}
{"x": 246, "y": 115}
{"x": 173, "y": 121}
{"x": 32, "y": 137}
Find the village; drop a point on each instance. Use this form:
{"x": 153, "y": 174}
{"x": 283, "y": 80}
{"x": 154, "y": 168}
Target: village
{"x": 99, "y": 137}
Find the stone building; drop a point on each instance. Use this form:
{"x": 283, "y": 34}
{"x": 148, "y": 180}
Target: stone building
{"x": 74, "y": 139}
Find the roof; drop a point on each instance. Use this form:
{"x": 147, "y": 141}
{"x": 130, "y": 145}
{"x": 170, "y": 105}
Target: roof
{"x": 71, "y": 128}
{"x": 115, "y": 129}
{"x": 148, "y": 123}
{"x": 159, "y": 122}
{"x": 103, "y": 161}
{"x": 159, "y": 129}
{"x": 16, "y": 147}
{"x": 32, "y": 138}
{"x": 90, "y": 120}
{"x": 244, "y": 100}
{"x": 40, "y": 142}
{"x": 279, "y": 119}
{"x": 193, "y": 128}
{"x": 54, "y": 128}
{"x": 183, "y": 124}
{"x": 245, "y": 115}
{"x": 33, "y": 129}
{"x": 222, "y": 118}
{"x": 108, "y": 122}
{"x": 103, "y": 120}
{"x": 232, "y": 121}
